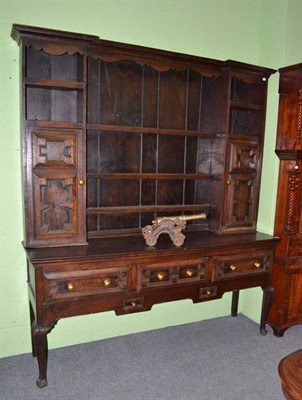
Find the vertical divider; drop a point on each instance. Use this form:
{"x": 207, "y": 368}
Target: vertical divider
{"x": 141, "y": 143}
{"x": 98, "y": 151}
{"x": 98, "y": 180}
{"x": 185, "y": 140}
{"x": 140, "y": 180}
{"x": 82, "y": 169}
{"x": 157, "y": 140}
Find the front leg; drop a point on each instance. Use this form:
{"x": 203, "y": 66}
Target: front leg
{"x": 39, "y": 339}
{"x": 32, "y": 322}
{"x": 268, "y": 298}
{"x": 235, "y": 299}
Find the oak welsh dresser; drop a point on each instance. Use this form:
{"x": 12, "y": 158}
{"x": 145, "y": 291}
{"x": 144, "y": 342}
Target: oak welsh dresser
{"x": 115, "y": 135}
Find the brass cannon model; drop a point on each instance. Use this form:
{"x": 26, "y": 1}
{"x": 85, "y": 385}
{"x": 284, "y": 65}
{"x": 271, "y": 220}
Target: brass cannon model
{"x": 171, "y": 225}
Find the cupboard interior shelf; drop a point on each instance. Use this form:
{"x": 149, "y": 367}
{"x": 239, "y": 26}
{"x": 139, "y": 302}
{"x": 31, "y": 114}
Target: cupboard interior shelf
{"x": 32, "y": 123}
{"x": 153, "y": 130}
{"x": 239, "y": 105}
{"x": 165, "y": 176}
{"x": 244, "y": 136}
{"x": 154, "y": 208}
{"x": 53, "y": 83}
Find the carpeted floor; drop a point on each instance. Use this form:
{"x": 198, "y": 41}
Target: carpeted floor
{"x": 224, "y": 358}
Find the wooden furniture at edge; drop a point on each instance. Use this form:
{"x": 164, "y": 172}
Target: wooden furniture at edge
{"x": 287, "y": 268}
{"x": 115, "y": 135}
{"x": 290, "y": 372}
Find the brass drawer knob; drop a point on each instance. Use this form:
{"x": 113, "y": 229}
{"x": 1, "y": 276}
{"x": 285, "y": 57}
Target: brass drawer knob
{"x": 81, "y": 182}
{"x": 228, "y": 182}
{"x": 189, "y": 272}
{"x": 257, "y": 264}
{"x": 133, "y": 304}
{"x": 209, "y": 291}
{"x": 160, "y": 276}
{"x": 70, "y": 287}
{"x": 107, "y": 282}
{"x": 233, "y": 267}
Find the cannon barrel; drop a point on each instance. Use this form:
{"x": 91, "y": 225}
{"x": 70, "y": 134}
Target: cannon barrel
{"x": 181, "y": 218}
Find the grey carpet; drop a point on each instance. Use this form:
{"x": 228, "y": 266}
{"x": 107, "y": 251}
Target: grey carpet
{"x": 224, "y": 358}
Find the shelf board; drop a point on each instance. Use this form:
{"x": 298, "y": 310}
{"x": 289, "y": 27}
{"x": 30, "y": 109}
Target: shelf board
{"x": 53, "y": 124}
{"x": 240, "y": 105}
{"x": 147, "y": 209}
{"x": 54, "y": 84}
{"x": 156, "y": 131}
{"x": 243, "y": 136}
{"x": 165, "y": 176}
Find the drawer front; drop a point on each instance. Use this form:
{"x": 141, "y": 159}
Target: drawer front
{"x": 88, "y": 282}
{"x": 164, "y": 274}
{"x": 240, "y": 265}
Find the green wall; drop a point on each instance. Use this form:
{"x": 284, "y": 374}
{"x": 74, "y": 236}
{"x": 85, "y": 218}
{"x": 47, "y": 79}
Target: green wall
{"x": 261, "y": 32}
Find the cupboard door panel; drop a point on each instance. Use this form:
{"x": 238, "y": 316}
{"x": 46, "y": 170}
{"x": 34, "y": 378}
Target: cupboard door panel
{"x": 243, "y": 185}
{"x": 55, "y": 205}
{"x": 244, "y": 157}
{"x": 56, "y": 188}
{"x": 54, "y": 149}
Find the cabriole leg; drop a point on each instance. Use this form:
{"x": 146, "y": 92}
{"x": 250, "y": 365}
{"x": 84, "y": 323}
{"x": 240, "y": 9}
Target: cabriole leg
{"x": 268, "y": 298}
{"x": 39, "y": 338}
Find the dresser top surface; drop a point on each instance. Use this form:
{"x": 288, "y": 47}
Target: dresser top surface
{"x": 135, "y": 246}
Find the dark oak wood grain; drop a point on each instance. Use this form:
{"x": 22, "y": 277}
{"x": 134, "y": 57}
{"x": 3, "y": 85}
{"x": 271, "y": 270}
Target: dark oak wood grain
{"x": 287, "y": 269}
{"x": 116, "y": 135}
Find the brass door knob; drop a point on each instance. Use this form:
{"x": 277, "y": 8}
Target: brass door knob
{"x": 107, "y": 282}
{"x": 257, "y": 264}
{"x": 70, "y": 287}
{"x": 228, "y": 182}
{"x": 81, "y": 182}
{"x": 233, "y": 267}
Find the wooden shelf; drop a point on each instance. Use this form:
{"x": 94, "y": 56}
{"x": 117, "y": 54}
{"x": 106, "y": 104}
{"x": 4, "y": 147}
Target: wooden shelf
{"x": 54, "y": 84}
{"x": 244, "y": 136}
{"x": 165, "y": 176}
{"x": 239, "y": 105}
{"x": 155, "y": 131}
{"x": 53, "y": 124}
{"x": 147, "y": 209}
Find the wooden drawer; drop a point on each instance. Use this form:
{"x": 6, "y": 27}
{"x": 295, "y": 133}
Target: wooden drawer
{"x": 240, "y": 265}
{"x": 164, "y": 274}
{"x": 87, "y": 282}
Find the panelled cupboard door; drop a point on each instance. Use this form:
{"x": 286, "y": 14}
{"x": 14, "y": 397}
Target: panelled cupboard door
{"x": 242, "y": 185}
{"x": 56, "y": 191}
